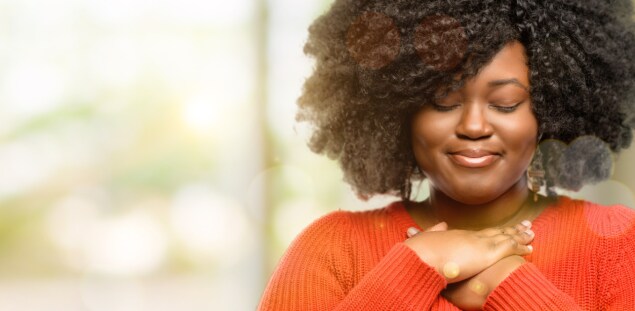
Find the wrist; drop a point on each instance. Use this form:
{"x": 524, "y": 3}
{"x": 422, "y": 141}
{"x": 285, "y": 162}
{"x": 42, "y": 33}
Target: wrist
{"x": 485, "y": 282}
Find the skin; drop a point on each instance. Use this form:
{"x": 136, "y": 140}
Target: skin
{"x": 480, "y": 116}
{"x": 474, "y": 213}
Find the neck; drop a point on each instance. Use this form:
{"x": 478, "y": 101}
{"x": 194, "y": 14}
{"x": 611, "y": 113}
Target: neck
{"x": 510, "y": 208}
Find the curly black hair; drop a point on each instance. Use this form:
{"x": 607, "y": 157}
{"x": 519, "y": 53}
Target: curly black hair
{"x": 378, "y": 61}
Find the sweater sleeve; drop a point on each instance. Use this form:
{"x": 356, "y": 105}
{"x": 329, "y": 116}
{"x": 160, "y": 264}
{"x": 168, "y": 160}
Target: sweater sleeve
{"x": 619, "y": 279}
{"x": 528, "y": 289}
{"x": 316, "y": 274}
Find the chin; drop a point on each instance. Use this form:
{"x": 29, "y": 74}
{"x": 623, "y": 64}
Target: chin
{"x": 474, "y": 195}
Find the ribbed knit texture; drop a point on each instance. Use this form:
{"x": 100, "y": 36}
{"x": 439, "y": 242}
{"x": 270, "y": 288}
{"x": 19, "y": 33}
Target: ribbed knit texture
{"x": 583, "y": 259}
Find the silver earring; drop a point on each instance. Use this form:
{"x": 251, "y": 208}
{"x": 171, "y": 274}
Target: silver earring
{"x": 536, "y": 174}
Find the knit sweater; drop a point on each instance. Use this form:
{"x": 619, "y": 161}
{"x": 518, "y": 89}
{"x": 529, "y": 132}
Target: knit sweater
{"x": 583, "y": 259}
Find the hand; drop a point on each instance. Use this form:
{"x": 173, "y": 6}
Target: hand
{"x": 471, "y": 294}
{"x": 461, "y": 254}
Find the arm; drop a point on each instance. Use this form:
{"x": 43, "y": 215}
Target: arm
{"x": 516, "y": 284}
{"x": 616, "y": 251}
{"x": 316, "y": 273}
{"x": 527, "y": 288}
{"x": 619, "y": 278}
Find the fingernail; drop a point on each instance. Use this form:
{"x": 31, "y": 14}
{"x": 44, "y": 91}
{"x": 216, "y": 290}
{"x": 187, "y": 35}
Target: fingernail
{"x": 530, "y": 232}
{"x": 531, "y": 248}
{"x": 412, "y": 231}
{"x": 526, "y": 223}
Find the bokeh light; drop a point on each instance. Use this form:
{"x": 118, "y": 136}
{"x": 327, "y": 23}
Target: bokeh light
{"x": 128, "y": 245}
{"x": 210, "y": 226}
{"x": 149, "y": 156}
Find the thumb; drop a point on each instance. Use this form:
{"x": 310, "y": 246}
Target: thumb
{"x": 412, "y": 231}
{"x": 442, "y": 226}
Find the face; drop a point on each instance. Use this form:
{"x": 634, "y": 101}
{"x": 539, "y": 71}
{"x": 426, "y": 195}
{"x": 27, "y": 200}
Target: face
{"x": 476, "y": 143}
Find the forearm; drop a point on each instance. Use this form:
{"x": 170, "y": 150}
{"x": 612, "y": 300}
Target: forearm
{"x": 528, "y": 289}
{"x": 400, "y": 281}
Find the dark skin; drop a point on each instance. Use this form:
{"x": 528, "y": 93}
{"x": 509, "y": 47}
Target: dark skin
{"x": 474, "y": 146}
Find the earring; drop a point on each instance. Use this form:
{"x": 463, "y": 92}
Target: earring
{"x": 536, "y": 174}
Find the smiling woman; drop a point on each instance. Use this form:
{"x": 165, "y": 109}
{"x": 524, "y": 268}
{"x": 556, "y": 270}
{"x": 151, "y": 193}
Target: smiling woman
{"x": 479, "y": 98}
{"x": 475, "y": 141}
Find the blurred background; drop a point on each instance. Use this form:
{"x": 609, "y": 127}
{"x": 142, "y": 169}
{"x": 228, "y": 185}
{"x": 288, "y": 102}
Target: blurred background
{"x": 149, "y": 158}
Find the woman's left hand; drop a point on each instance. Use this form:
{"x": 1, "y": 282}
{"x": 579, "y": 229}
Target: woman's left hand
{"x": 471, "y": 294}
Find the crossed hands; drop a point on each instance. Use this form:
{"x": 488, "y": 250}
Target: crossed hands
{"x": 473, "y": 262}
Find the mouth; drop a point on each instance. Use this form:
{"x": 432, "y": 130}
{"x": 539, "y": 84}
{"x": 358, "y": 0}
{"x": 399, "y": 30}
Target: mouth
{"x": 474, "y": 158}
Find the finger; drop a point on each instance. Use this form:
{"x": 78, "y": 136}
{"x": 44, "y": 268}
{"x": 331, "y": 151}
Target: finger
{"x": 501, "y": 237}
{"x": 511, "y": 246}
{"x": 524, "y": 237}
{"x": 522, "y": 250}
{"x": 412, "y": 231}
{"x": 523, "y": 225}
{"x": 505, "y": 247}
{"x": 525, "y": 250}
{"x": 520, "y": 227}
{"x": 526, "y": 223}
{"x": 490, "y": 232}
{"x": 511, "y": 230}
{"x": 442, "y": 226}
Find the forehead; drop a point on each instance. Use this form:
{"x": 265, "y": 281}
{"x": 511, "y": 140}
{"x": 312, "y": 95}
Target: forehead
{"x": 509, "y": 62}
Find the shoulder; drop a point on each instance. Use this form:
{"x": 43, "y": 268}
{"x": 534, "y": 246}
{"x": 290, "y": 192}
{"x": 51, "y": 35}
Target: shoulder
{"x": 335, "y": 234}
{"x": 606, "y": 221}
{"x": 328, "y": 225}
{"x": 345, "y": 220}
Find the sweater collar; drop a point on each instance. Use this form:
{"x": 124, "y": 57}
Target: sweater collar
{"x": 398, "y": 212}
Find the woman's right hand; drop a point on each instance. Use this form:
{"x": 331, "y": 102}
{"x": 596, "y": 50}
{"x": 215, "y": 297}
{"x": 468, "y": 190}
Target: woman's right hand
{"x": 461, "y": 254}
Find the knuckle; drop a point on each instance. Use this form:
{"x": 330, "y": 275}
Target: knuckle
{"x": 491, "y": 245}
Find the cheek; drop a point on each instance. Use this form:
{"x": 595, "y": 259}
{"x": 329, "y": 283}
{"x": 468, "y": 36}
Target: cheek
{"x": 521, "y": 136}
{"x": 430, "y": 133}
{"x": 430, "y": 130}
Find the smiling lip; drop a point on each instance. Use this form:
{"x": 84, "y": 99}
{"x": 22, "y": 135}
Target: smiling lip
{"x": 474, "y": 158}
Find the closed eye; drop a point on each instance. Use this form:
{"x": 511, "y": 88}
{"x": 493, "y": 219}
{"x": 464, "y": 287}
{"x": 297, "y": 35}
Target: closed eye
{"x": 506, "y": 109}
{"x": 438, "y": 107}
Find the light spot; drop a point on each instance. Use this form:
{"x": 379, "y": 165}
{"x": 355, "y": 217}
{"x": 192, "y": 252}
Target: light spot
{"x": 107, "y": 293}
{"x": 295, "y": 180}
{"x": 451, "y": 270}
{"x": 478, "y": 287}
{"x": 440, "y": 42}
{"x": 27, "y": 75}
{"x": 129, "y": 245}
{"x": 69, "y": 222}
{"x": 210, "y": 225}
{"x": 373, "y": 40}
{"x": 292, "y": 216}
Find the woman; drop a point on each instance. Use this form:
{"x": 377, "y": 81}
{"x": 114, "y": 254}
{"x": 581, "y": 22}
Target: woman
{"x": 497, "y": 104}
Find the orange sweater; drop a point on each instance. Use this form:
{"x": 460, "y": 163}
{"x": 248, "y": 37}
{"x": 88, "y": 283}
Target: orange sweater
{"x": 583, "y": 259}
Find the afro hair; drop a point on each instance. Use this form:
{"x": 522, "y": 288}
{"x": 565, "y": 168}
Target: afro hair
{"x": 377, "y": 62}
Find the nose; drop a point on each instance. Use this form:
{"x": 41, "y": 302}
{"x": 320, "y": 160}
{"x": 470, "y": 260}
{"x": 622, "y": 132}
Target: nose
{"x": 473, "y": 124}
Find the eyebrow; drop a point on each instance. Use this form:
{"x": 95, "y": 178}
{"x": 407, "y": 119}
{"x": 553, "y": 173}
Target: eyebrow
{"x": 502, "y": 82}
